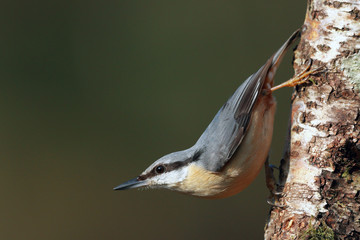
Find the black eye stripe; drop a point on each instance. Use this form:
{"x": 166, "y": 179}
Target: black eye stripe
{"x": 171, "y": 166}
{"x": 197, "y": 155}
{"x": 175, "y": 165}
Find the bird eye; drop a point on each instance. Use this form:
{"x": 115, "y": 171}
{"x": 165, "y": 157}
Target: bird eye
{"x": 160, "y": 169}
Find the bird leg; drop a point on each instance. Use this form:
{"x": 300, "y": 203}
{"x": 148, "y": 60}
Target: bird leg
{"x": 272, "y": 185}
{"x": 298, "y": 79}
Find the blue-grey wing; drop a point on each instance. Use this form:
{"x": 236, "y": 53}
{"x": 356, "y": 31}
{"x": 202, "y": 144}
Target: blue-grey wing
{"x": 228, "y": 128}
{"x": 226, "y": 131}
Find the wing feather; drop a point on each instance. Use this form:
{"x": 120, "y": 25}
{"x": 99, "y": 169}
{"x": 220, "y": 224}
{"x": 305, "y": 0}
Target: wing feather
{"x": 228, "y": 128}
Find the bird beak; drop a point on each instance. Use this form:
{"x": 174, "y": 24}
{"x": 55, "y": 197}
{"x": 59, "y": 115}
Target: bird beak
{"x": 133, "y": 183}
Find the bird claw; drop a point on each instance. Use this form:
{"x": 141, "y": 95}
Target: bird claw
{"x": 301, "y": 77}
{"x": 272, "y": 185}
{"x": 281, "y": 194}
{"x": 274, "y": 203}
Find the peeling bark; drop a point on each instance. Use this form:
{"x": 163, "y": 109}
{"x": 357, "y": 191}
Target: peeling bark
{"x": 320, "y": 172}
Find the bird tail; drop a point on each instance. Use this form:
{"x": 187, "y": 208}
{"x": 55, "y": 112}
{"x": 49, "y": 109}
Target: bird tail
{"x": 278, "y": 56}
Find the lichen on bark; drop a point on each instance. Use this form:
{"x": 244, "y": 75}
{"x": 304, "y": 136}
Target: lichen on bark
{"x": 351, "y": 66}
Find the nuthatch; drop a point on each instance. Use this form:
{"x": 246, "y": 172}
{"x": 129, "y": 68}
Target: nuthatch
{"x": 232, "y": 150}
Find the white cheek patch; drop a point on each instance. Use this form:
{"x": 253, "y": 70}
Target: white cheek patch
{"x": 171, "y": 177}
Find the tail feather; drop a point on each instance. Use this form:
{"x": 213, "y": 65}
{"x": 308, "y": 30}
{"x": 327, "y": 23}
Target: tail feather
{"x": 278, "y": 56}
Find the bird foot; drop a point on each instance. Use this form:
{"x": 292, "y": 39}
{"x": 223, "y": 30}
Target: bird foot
{"x": 300, "y": 78}
{"x": 271, "y": 184}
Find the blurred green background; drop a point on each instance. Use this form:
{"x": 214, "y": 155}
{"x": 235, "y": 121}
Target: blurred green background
{"x": 92, "y": 92}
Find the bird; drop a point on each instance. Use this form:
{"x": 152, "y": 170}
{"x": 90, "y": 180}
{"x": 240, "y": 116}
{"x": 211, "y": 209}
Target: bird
{"x": 232, "y": 150}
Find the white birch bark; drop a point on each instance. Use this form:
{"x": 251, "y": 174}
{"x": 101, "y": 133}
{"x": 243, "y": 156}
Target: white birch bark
{"x": 320, "y": 172}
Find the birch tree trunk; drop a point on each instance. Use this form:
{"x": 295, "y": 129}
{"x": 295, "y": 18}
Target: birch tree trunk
{"x": 320, "y": 172}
